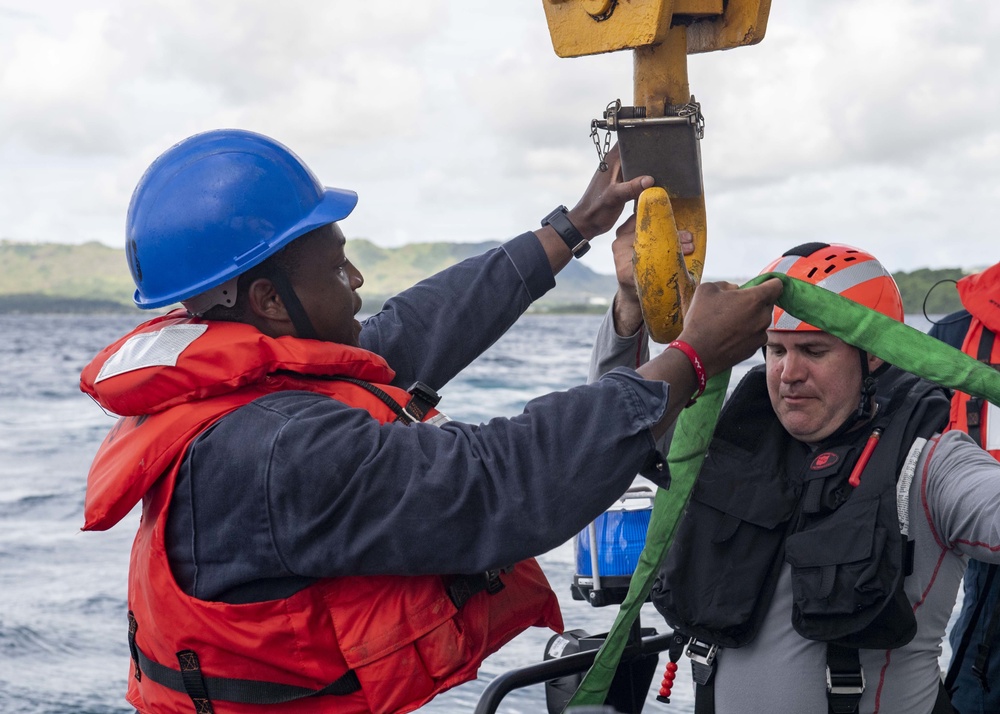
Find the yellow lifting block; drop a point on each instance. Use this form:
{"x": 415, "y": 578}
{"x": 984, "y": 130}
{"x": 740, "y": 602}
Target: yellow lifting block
{"x": 664, "y": 277}
{"x": 589, "y": 27}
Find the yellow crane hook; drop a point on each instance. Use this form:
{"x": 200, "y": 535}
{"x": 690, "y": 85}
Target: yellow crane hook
{"x": 662, "y": 33}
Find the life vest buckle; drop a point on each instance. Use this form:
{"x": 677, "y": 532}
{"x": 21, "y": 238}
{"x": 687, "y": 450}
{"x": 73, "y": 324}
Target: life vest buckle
{"x": 701, "y": 652}
{"x": 702, "y": 656}
{"x": 422, "y": 400}
{"x": 845, "y": 683}
{"x": 493, "y": 582}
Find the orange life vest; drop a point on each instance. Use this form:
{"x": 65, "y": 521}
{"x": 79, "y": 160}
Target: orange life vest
{"x": 980, "y": 295}
{"x": 379, "y": 643}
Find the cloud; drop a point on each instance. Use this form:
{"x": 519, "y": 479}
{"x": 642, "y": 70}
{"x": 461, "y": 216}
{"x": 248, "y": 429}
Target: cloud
{"x": 865, "y": 120}
{"x": 57, "y": 87}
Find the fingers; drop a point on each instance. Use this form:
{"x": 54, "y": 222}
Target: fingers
{"x": 770, "y": 290}
{"x": 687, "y": 242}
{"x": 726, "y": 325}
{"x": 621, "y": 250}
{"x": 602, "y": 204}
{"x": 626, "y": 231}
{"x": 630, "y": 190}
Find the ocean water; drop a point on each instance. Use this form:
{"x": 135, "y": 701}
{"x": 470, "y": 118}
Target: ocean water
{"x": 63, "y": 642}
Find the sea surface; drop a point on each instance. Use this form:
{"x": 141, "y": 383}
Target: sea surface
{"x": 63, "y": 643}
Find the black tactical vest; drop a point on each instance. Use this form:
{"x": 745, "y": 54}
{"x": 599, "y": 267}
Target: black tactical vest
{"x": 763, "y": 499}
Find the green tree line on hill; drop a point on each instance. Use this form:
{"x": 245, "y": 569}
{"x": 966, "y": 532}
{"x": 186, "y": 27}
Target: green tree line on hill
{"x": 94, "y": 278}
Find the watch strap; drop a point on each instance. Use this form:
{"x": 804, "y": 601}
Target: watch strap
{"x": 560, "y": 222}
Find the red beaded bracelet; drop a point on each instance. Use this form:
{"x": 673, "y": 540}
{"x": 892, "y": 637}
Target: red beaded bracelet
{"x": 699, "y": 369}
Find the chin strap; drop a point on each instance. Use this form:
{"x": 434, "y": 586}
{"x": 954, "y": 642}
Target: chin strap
{"x": 298, "y": 315}
{"x": 869, "y": 381}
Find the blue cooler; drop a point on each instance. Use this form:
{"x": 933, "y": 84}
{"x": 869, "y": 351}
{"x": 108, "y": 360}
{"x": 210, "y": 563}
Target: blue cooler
{"x": 610, "y": 547}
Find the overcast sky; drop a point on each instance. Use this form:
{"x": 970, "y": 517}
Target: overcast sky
{"x": 871, "y": 122}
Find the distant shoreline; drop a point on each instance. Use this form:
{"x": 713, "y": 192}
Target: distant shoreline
{"x": 31, "y": 304}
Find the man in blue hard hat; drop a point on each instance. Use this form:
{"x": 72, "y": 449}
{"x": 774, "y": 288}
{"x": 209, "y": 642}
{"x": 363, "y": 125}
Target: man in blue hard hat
{"x": 315, "y": 535}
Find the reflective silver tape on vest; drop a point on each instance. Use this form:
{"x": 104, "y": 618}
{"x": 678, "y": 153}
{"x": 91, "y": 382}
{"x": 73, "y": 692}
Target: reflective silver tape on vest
{"x": 151, "y": 349}
{"x": 903, "y": 485}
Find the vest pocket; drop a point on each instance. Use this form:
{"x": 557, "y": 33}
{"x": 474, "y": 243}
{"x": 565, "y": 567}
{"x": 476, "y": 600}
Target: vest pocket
{"x": 835, "y": 561}
{"x": 727, "y": 545}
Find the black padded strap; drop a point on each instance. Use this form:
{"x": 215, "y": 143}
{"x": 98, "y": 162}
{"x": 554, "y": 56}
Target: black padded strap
{"x": 241, "y": 691}
{"x": 845, "y": 681}
{"x": 395, "y": 406}
{"x": 463, "y": 587}
{"x": 704, "y": 697}
{"x": 703, "y": 664}
{"x": 974, "y": 407}
{"x": 133, "y": 627}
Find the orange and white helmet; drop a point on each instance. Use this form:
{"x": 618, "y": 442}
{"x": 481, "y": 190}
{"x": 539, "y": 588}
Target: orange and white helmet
{"x": 842, "y": 269}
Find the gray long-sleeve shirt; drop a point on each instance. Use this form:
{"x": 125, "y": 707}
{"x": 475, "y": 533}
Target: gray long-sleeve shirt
{"x": 954, "y": 507}
{"x": 296, "y": 486}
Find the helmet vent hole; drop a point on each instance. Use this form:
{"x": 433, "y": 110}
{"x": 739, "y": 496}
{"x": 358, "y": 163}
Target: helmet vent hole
{"x": 811, "y": 273}
{"x": 829, "y": 268}
{"x": 849, "y": 258}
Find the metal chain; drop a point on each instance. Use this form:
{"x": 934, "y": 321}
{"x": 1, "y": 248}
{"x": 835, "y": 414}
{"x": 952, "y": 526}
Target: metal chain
{"x": 693, "y": 108}
{"x": 611, "y": 109}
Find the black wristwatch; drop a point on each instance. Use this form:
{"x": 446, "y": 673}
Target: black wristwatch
{"x": 573, "y": 239}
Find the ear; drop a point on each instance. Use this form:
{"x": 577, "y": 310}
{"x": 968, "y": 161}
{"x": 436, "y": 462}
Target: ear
{"x": 874, "y": 362}
{"x": 265, "y": 303}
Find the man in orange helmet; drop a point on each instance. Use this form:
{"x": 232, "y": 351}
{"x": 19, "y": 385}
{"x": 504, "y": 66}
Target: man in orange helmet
{"x": 818, "y": 562}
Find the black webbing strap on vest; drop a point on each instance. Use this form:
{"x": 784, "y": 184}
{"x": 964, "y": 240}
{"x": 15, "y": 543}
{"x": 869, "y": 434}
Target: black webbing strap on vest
{"x": 703, "y": 665}
{"x": 190, "y": 680}
{"x": 422, "y": 399}
{"x": 194, "y": 682}
{"x": 845, "y": 680}
{"x": 463, "y": 587}
{"x": 974, "y": 407}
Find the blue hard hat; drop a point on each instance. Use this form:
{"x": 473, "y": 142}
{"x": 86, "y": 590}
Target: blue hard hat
{"x": 216, "y": 204}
